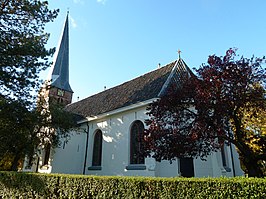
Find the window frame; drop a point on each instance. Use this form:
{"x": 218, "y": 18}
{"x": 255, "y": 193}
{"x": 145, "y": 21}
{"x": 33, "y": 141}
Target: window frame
{"x": 224, "y": 157}
{"x": 96, "y": 162}
{"x": 136, "y": 163}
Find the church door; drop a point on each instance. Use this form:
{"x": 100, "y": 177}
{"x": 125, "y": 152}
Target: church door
{"x": 187, "y": 167}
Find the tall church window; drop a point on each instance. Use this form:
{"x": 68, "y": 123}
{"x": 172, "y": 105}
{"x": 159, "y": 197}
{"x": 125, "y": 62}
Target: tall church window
{"x": 97, "y": 149}
{"x": 136, "y": 133}
{"x": 224, "y": 156}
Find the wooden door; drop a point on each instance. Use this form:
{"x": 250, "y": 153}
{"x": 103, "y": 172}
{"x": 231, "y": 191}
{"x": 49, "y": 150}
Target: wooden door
{"x": 187, "y": 167}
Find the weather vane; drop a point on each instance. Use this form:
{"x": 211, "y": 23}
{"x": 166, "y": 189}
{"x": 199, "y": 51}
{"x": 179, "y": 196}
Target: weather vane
{"x": 179, "y": 52}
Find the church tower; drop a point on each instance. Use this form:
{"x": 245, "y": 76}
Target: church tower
{"x": 59, "y": 87}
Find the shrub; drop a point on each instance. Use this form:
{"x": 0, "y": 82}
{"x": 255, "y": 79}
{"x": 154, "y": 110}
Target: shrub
{"x": 32, "y": 185}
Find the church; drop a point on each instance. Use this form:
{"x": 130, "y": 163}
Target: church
{"x": 110, "y": 122}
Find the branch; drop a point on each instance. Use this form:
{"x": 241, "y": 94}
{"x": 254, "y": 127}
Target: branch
{"x": 193, "y": 113}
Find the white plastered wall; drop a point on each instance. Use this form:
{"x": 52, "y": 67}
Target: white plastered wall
{"x": 69, "y": 158}
{"x": 115, "y": 152}
{"x": 166, "y": 169}
{"x": 115, "y": 146}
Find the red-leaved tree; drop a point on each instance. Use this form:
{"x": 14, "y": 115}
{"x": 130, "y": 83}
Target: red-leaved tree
{"x": 221, "y": 103}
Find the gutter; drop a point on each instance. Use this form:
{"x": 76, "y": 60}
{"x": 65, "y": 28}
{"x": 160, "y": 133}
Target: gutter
{"x": 119, "y": 110}
{"x": 86, "y": 149}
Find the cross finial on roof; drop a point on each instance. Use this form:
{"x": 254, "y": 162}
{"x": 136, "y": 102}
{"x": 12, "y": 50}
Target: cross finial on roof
{"x": 179, "y": 52}
{"x": 68, "y": 10}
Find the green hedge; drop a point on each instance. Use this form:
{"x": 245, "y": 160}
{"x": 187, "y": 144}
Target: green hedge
{"x": 32, "y": 185}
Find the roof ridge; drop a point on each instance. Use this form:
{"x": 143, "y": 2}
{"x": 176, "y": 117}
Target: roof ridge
{"x": 141, "y": 88}
{"x": 154, "y": 70}
{"x": 157, "y": 69}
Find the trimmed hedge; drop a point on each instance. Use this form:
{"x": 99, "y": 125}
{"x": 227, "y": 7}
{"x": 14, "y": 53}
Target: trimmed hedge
{"x": 33, "y": 185}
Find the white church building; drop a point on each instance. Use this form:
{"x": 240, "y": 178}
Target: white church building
{"x": 110, "y": 122}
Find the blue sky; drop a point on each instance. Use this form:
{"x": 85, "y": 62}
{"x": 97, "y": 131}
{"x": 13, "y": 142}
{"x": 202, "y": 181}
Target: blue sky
{"x": 113, "y": 41}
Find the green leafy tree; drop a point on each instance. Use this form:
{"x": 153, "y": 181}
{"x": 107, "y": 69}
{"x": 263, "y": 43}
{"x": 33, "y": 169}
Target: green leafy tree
{"x": 224, "y": 102}
{"x": 255, "y": 126}
{"x": 22, "y": 46}
{"x": 22, "y": 56}
{"x": 16, "y": 131}
{"x": 24, "y": 131}
{"x": 54, "y": 122}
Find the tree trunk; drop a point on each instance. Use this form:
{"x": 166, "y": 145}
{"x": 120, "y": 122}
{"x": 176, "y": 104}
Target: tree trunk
{"x": 14, "y": 166}
{"x": 247, "y": 156}
{"x": 250, "y": 164}
{"x": 253, "y": 168}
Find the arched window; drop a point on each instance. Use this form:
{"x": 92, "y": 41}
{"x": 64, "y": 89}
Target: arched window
{"x": 47, "y": 154}
{"x": 97, "y": 149}
{"x": 136, "y": 133}
{"x": 224, "y": 155}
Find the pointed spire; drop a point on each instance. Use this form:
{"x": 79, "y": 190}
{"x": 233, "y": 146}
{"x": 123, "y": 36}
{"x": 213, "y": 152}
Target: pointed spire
{"x": 60, "y": 68}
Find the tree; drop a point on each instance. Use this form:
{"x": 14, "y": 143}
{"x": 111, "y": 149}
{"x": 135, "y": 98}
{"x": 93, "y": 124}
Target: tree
{"x": 224, "y": 102}
{"x": 24, "y": 131}
{"x": 16, "y": 131}
{"x": 22, "y": 46}
{"x": 22, "y": 56}
{"x": 54, "y": 122}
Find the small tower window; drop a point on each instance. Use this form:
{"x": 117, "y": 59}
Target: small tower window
{"x": 60, "y": 92}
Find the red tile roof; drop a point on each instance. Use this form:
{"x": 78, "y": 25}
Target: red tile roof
{"x": 145, "y": 87}
{"x": 148, "y": 86}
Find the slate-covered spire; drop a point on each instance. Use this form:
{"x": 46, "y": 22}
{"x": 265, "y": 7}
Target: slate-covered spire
{"x": 60, "y": 68}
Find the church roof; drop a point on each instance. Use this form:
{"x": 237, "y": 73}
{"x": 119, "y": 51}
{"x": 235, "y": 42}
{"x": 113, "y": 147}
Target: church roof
{"x": 148, "y": 86}
{"x": 60, "y": 68}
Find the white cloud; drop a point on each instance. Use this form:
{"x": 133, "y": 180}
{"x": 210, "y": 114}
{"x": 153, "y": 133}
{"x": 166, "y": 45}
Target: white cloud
{"x": 101, "y": 1}
{"x": 73, "y": 22}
